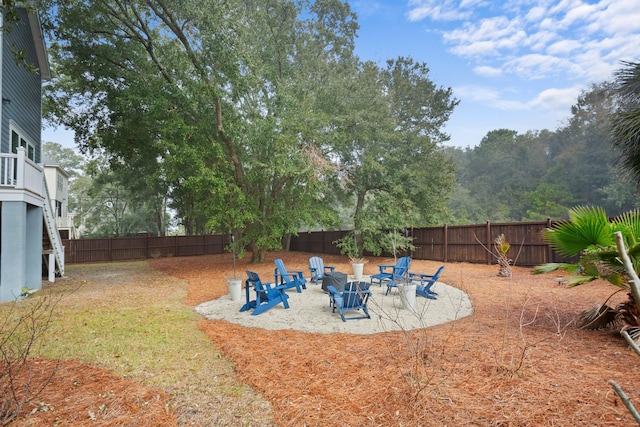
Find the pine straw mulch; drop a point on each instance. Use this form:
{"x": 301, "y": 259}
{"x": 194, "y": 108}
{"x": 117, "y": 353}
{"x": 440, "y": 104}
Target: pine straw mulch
{"x": 518, "y": 360}
{"x": 85, "y": 395}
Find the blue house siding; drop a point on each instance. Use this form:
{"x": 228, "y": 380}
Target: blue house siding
{"x": 21, "y": 87}
{"x": 21, "y": 211}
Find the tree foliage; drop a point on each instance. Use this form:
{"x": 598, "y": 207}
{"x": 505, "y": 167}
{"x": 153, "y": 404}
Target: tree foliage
{"x": 626, "y": 121}
{"x": 543, "y": 174}
{"x": 249, "y": 115}
{"x": 393, "y": 168}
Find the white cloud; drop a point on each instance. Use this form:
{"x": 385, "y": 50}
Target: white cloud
{"x": 538, "y": 41}
{"x": 447, "y": 10}
{"x": 538, "y": 66}
{"x": 556, "y": 100}
{"x": 366, "y": 7}
{"x": 563, "y": 47}
{"x": 476, "y": 93}
{"x": 488, "y": 38}
{"x": 616, "y": 17}
{"x": 539, "y": 54}
{"x": 487, "y": 71}
{"x": 575, "y": 39}
{"x": 535, "y": 14}
{"x": 579, "y": 13}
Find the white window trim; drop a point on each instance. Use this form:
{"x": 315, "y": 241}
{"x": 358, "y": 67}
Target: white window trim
{"x": 13, "y": 127}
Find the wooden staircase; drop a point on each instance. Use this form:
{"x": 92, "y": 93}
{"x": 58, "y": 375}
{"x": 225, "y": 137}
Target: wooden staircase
{"x": 52, "y": 249}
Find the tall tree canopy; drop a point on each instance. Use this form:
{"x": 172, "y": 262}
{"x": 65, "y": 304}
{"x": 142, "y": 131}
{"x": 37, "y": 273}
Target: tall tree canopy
{"x": 394, "y": 167}
{"x": 247, "y": 111}
{"x": 217, "y": 94}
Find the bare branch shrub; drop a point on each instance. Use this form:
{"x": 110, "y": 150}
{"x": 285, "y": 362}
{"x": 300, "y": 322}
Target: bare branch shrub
{"x": 425, "y": 357}
{"x": 22, "y": 324}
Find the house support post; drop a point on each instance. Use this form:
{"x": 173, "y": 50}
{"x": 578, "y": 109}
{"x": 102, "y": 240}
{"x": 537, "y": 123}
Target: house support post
{"x": 13, "y": 250}
{"x": 52, "y": 267}
{"x": 33, "y": 250}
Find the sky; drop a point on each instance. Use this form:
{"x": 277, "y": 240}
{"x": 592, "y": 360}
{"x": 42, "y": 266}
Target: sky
{"x": 512, "y": 64}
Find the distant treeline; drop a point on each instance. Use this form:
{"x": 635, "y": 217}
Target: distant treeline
{"x": 542, "y": 174}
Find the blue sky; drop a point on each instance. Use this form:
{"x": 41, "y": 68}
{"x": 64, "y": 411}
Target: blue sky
{"x": 517, "y": 64}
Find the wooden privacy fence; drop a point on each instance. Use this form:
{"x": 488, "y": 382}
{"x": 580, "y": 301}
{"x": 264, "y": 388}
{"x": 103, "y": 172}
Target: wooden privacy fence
{"x": 132, "y": 248}
{"x": 462, "y": 243}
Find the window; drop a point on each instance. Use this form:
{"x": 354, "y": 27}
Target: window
{"x": 60, "y": 182}
{"x": 18, "y": 141}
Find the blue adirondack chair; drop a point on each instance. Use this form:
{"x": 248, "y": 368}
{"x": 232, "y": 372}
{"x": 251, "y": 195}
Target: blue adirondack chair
{"x": 283, "y": 278}
{"x": 393, "y": 272}
{"x": 266, "y": 295}
{"x": 318, "y": 269}
{"x": 426, "y": 282}
{"x": 353, "y": 298}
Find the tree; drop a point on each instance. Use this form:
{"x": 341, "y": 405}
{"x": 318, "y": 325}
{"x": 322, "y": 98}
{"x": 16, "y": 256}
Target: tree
{"x": 390, "y": 163}
{"x": 227, "y": 98}
{"x": 548, "y": 200}
{"x": 67, "y": 158}
{"x": 502, "y": 169}
{"x": 626, "y": 120}
{"x": 583, "y": 160}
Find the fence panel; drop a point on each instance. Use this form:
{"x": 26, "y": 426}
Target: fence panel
{"x": 190, "y": 246}
{"x": 128, "y": 249}
{"x": 467, "y": 244}
{"x": 89, "y": 250}
{"x": 162, "y": 247}
{"x": 215, "y": 243}
{"x": 141, "y": 247}
{"x": 429, "y": 243}
{"x": 319, "y": 242}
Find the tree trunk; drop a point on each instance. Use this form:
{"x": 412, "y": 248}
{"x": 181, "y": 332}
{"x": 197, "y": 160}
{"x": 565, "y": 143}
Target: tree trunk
{"x": 286, "y": 242}
{"x": 258, "y": 254}
{"x": 357, "y": 223}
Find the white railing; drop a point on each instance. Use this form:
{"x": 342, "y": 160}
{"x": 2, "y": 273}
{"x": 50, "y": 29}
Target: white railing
{"x": 17, "y": 171}
{"x": 64, "y": 222}
{"x": 7, "y": 169}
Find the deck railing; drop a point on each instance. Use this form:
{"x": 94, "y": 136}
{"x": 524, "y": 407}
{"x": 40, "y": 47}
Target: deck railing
{"x": 8, "y": 169}
{"x": 21, "y": 173}
{"x": 65, "y": 222}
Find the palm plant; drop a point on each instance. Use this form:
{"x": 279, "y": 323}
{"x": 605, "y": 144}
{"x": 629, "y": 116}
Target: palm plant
{"x": 501, "y": 246}
{"x": 626, "y": 120}
{"x": 589, "y": 234}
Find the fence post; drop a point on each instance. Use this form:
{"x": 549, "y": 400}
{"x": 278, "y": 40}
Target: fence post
{"x": 549, "y": 250}
{"x": 446, "y": 243}
{"x": 413, "y": 253}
